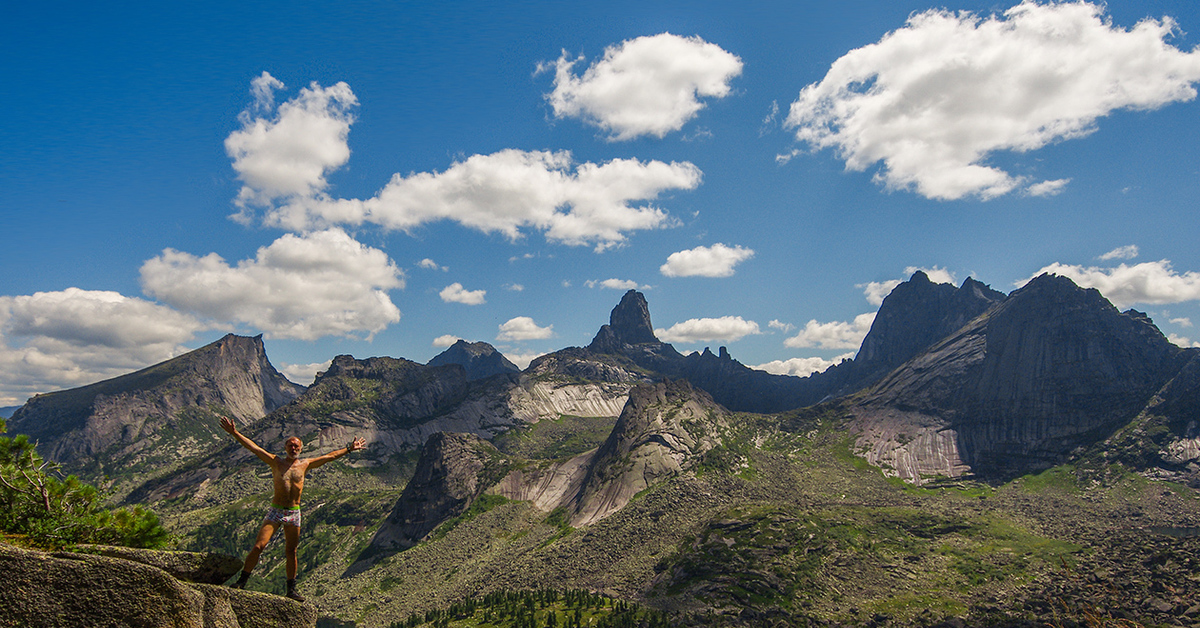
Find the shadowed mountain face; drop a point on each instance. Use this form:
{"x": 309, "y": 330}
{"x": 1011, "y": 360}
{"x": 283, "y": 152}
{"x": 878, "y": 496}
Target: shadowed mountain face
{"x": 915, "y": 315}
{"x": 157, "y": 415}
{"x": 479, "y": 359}
{"x": 1053, "y": 368}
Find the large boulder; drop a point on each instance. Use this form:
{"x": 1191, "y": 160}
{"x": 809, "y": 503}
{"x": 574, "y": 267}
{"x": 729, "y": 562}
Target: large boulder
{"x": 70, "y": 589}
{"x": 205, "y": 567}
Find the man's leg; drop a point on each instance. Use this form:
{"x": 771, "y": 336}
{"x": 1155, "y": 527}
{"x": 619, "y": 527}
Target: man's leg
{"x": 291, "y": 534}
{"x": 260, "y": 543}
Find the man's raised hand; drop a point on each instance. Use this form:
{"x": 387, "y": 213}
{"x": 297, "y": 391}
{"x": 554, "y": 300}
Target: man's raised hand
{"x": 357, "y": 444}
{"x": 228, "y": 425}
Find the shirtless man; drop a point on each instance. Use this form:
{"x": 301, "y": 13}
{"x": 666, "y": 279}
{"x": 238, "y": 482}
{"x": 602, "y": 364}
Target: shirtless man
{"x": 288, "y": 474}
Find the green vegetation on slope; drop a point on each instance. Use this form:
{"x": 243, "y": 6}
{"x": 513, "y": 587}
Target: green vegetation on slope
{"x": 50, "y": 511}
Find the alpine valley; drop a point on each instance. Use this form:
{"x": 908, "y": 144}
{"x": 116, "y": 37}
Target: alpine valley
{"x": 1030, "y": 459}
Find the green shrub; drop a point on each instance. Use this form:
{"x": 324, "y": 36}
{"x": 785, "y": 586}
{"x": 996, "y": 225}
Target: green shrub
{"x": 51, "y": 511}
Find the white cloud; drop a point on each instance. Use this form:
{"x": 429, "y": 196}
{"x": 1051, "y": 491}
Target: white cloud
{"x": 56, "y": 340}
{"x": 645, "y": 86}
{"x": 1148, "y": 282}
{"x": 834, "y": 335}
{"x": 304, "y": 287}
{"x": 455, "y": 293}
{"x": 781, "y": 326}
{"x": 522, "y": 360}
{"x": 303, "y": 374}
{"x": 511, "y": 190}
{"x": 1121, "y": 252}
{"x": 1181, "y": 341}
{"x": 876, "y": 291}
{"x": 717, "y": 260}
{"x": 1047, "y": 188}
{"x": 284, "y": 155}
{"x": 429, "y": 264}
{"x": 523, "y": 328}
{"x": 445, "y": 341}
{"x": 615, "y": 284}
{"x": 725, "y": 329}
{"x": 1182, "y": 322}
{"x": 934, "y": 99}
{"x": 514, "y": 287}
{"x": 801, "y": 367}
{"x": 287, "y": 155}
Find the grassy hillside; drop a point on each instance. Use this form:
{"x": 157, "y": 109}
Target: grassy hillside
{"x": 781, "y": 524}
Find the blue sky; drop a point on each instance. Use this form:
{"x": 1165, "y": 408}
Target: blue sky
{"x": 380, "y": 178}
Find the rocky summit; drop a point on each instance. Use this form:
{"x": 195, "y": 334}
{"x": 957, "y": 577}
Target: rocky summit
{"x": 157, "y": 416}
{"x": 479, "y": 359}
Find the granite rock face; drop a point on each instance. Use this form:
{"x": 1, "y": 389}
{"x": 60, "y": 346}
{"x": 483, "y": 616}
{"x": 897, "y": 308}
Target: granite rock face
{"x": 1053, "y": 368}
{"x": 479, "y": 359}
{"x": 663, "y": 431}
{"x": 916, "y": 314}
{"x": 67, "y": 590}
{"x": 157, "y": 415}
{"x": 451, "y": 473}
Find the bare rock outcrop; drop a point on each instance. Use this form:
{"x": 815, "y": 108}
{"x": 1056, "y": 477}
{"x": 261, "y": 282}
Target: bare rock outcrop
{"x": 67, "y": 590}
{"x": 158, "y": 415}
{"x": 453, "y": 470}
{"x": 479, "y": 359}
{"x": 1053, "y": 368}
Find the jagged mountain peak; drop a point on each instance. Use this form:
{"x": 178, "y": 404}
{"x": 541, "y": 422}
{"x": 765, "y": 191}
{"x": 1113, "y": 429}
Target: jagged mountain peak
{"x": 1051, "y": 368}
{"x": 628, "y": 324}
{"x": 480, "y": 359}
{"x": 159, "y": 413}
{"x": 916, "y": 314}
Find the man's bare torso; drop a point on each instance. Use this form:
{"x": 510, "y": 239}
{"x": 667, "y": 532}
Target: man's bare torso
{"x": 288, "y": 475}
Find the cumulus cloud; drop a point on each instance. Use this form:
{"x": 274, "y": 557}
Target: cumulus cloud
{"x": 934, "y": 99}
{"x": 511, "y": 190}
{"x": 455, "y": 293}
{"x": 615, "y": 284}
{"x": 303, "y": 374}
{"x": 1181, "y": 341}
{"x": 781, "y": 326}
{"x": 304, "y": 287}
{"x": 1125, "y": 285}
{"x": 429, "y": 264}
{"x": 833, "y": 335}
{"x": 288, "y": 153}
{"x": 1182, "y": 322}
{"x": 55, "y": 340}
{"x": 445, "y": 341}
{"x": 1121, "y": 252}
{"x": 725, "y": 329}
{"x": 876, "y": 291}
{"x": 283, "y": 155}
{"x": 801, "y": 367}
{"x": 522, "y": 360}
{"x": 717, "y": 260}
{"x": 523, "y": 328}
{"x": 514, "y": 287}
{"x": 645, "y": 86}
{"x": 1047, "y": 188}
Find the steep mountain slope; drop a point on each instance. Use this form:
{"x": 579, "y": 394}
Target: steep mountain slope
{"x": 1051, "y": 369}
{"x": 916, "y": 314}
{"x": 159, "y": 415}
{"x": 396, "y": 405}
{"x": 479, "y": 359}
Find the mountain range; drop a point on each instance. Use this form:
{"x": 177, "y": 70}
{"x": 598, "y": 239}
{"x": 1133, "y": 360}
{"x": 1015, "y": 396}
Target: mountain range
{"x": 693, "y": 483}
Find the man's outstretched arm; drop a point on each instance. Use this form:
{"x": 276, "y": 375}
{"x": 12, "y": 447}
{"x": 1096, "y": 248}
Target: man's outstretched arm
{"x": 228, "y": 425}
{"x": 355, "y": 445}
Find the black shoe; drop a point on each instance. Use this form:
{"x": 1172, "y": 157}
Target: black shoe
{"x": 241, "y": 582}
{"x": 295, "y": 596}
